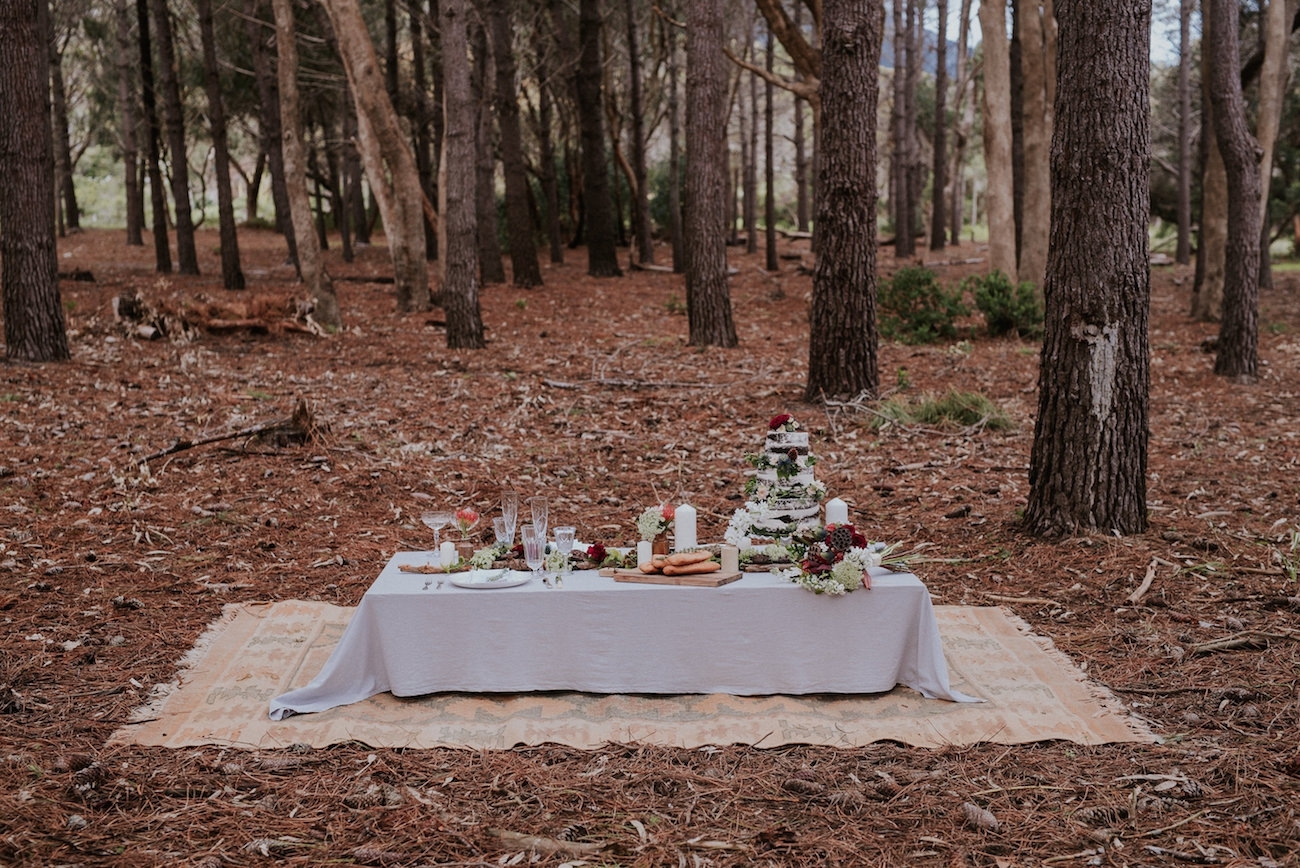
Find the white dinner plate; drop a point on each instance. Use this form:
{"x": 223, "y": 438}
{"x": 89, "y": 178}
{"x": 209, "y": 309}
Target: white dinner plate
{"x": 480, "y": 579}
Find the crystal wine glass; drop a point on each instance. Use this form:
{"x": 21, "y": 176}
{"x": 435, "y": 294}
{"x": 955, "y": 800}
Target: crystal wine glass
{"x": 436, "y": 520}
{"x": 510, "y": 511}
{"x": 564, "y": 538}
{"x": 539, "y": 508}
{"x": 534, "y": 547}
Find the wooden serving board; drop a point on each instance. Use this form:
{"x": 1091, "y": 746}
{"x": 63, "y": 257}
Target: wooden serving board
{"x": 694, "y": 580}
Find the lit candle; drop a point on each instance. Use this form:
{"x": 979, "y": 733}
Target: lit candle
{"x": 684, "y": 527}
{"x": 837, "y": 511}
{"x": 644, "y": 551}
{"x": 447, "y": 554}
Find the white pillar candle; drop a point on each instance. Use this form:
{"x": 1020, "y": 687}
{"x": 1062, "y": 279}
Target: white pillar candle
{"x": 730, "y": 559}
{"x": 837, "y": 511}
{"x": 447, "y": 554}
{"x": 644, "y": 550}
{"x": 684, "y": 527}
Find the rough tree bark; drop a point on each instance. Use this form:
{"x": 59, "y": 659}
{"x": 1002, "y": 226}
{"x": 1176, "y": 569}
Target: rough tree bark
{"x": 1238, "y": 355}
{"x": 157, "y": 195}
{"x": 749, "y": 156}
{"x": 456, "y": 183}
{"x": 674, "y": 154}
{"x": 1212, "y": 239}
{"x": 966, "y": 110}
{"x": 232, "y": 275}
{"x": 390, "y": 165}
{"x": 843, "y": 341}
{"x": 1037, "y": 22}
{"x": 1183, "y": 251}
{"x": 645, "y": 249}
{"x": 772, "y": 262}
{"x": 1272, "y": 86}
{"x": 1087, "y": 468}
{"x": 491, "y": 269}
{"x": 422, "y": 133}
{"x": 127, "y": 113}
{"x": 543, "y": 47}
{"x": 708, "y": 302}
{"x": 800, "y": 148}
{"x": 310, "y": 267}
{"x": 938, "y": 215}
{"x": 899, "y": 199}
{"x": 602, "y": 252}
{"x": 524, "y": 268}
{"x": 35, "y": 330}
{"x": 187, "y": 255}
{"x": 999, "y": 203}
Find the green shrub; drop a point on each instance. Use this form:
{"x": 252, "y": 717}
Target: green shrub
{"x": 915, "y": 309}
{"x": 954, "y": 409}
{"x": 1007, "y": 309}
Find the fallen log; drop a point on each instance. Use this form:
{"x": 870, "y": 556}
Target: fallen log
{"x": 300, "y": 427}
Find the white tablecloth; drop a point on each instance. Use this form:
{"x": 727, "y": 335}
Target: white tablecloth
{"x": 759, "y": 635}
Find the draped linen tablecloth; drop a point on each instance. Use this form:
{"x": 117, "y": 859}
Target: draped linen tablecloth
{"x": 759, "y": 635}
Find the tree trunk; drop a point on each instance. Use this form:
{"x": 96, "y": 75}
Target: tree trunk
{"x": 602, "y": 252}
{"x": 999, "y": 204}
{"x": 938, "y": 215}
{"x": 773, "y": 263}
{"x": 915, "y": 165}
{"x": 1017, "y": 121}
{"x": 1212, "y": 239}
{"x": 268, "y": 90}
{"x": 390, "y": 55}
{"x": 1272, "y": 86}
{"x": 842, "y": 320}
{"x": 645, "y": 249}
{"x": 751, "y": 165}
{"x": 1238, "y": 355}
{"x": 800, "y": 148}
{"x": 545, "y": 150}
{"x": 187, "y": 255}
{"x": 390, "y": 165}
{"x": 1087, "y": 470}
{"x": 459, "y": 253}
{"x": 126, "y": 108}
{"x": 524, "y": 267}
{"x": 1183, "y": 252}
{"x": 352, "y": 173}
{"x": 420, "y": 122}
{"x": 1036, "y": 20}
{"x": 899, "y": 198}
{"x": 232, "y": 276}
{"x": 966, "y": 110}
{"x": 674, "y": 155}
{"x": 35, "y": 330}
{"x": 157, "y": 196}
{"x": 67, "y": 191}
{"x": 310, "y": 267}
{"x": 491, "y": 269}
{"x": 708, "y": 302}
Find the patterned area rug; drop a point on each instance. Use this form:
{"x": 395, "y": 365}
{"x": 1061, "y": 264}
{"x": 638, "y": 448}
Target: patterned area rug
{"x": 257, "y": 651}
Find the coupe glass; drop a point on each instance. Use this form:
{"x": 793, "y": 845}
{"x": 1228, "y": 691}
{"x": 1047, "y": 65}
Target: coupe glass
{"x": 436, "y": 520}
{"x": 510, "y": 512}
{"x": 538, "y": 507}
{"x": 534, "y": 547}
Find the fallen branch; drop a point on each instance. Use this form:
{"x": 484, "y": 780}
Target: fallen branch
{"x": 619, "y": 383}
{"x": 1246, "y": 639}
{"x": 1037, "y": 601}
{"x": 1146, "y": 584}
{"x": 545, "y": 845}
{"x": 301, "y": 427}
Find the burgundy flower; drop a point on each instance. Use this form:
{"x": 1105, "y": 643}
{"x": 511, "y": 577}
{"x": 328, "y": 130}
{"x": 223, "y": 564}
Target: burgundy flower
{"x": 778, "y": 421}
{"x": 596, "y": 552}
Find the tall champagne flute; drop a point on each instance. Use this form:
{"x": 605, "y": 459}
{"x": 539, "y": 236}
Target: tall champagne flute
{"x": 510, "y": 511}
{"x": 539, "y": 509}
{"x": 534, "y": 547}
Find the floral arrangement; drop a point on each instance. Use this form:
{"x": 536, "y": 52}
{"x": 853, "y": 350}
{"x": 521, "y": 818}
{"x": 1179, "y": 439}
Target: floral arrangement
{"x": 783, "y": 422}
{"x": 466, "y": 519}
{"x": 834, "y": 560}
{"x": 654, "y": 520}
{"x": 604, "y": 557}
{"x": 792, "y": 463}
{"x": 486, "y": 557}
{"x": 556, "y": 561}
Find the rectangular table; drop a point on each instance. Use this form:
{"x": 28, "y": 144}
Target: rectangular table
{"x": 756, "y": 636}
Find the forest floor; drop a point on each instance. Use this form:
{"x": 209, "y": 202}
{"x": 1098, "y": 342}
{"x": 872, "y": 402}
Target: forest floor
{"x": 587, "y": 392}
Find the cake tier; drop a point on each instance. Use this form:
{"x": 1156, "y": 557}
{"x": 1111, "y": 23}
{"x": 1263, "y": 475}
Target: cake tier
{"x": 789, "y": 511}
{"x": 803, "y": 477}
{"x": 783, "y": 440}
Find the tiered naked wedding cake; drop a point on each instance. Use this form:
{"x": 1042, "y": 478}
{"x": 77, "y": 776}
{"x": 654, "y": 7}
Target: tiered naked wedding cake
{"x": 784, "y": 497}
